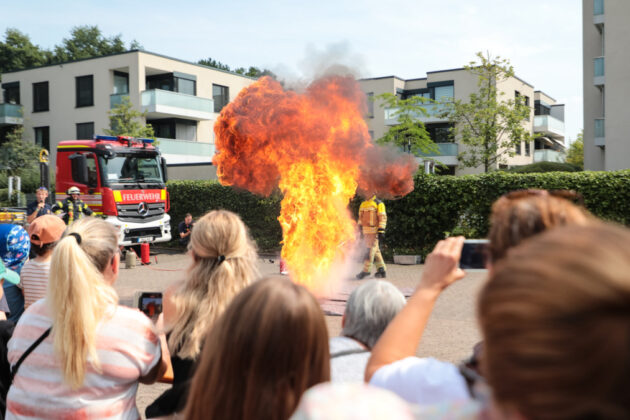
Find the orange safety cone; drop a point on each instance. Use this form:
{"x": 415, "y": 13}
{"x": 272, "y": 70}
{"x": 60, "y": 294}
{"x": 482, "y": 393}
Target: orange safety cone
{"x": 284, "y": 270}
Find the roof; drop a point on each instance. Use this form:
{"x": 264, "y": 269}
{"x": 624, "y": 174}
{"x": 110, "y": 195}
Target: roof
{"x": 130, "y": 52}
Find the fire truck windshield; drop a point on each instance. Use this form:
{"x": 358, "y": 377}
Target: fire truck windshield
{"x": 132, "y": 168}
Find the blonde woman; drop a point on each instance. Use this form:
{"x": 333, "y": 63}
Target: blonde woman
{"x": 223, "y": 264}
{"x": 97, "y": 351}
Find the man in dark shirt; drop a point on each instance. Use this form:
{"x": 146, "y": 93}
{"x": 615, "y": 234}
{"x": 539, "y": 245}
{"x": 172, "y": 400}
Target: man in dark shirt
{"x": 185, "y": 229}
{"x": 39, "y": 207}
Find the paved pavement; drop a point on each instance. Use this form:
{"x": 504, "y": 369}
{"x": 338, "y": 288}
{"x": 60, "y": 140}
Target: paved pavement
{"x": 450, "y": 334}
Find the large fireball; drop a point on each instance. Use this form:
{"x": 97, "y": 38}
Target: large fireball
{"x": 316, "y": 148}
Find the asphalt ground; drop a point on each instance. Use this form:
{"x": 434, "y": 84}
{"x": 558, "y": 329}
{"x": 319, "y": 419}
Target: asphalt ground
{"x": 450, "y": 334}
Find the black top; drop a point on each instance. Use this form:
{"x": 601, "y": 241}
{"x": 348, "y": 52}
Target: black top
{"x": 47, "y": 209}
{"x": 6, "y": 331}
{"x": 184, "y": 228}
{"x": 173, "y": 400}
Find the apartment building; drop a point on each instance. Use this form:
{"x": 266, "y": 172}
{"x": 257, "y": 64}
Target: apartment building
{"x": 546, "y": 117}
{"x": 606, "y": 62}
{"x": 71, "y": 100}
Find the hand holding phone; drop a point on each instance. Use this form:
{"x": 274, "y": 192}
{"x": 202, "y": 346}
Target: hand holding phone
{"x": 151, "y": 304}
{"x": 474, "y": 254}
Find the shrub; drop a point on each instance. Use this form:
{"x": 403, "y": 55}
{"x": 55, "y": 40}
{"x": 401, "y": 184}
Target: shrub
{"x": 544, "y": 167}
{"x": 439, "y": 205}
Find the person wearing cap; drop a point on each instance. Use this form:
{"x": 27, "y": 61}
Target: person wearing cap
{"x": 11, "y": 277}
{"x": 72, "y": 208}
{"x": 39, "y": 207}
{"x": 14, "y": 250}
{"x": 44, "y": 233}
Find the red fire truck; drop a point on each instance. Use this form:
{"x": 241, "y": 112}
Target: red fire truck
{"x": 121, "y": 178}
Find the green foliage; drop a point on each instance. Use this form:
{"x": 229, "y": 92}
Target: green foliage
{"x": 260, "y": 214}
{"x": 575, "y": 154}
{"x": 544, "y": 167}
{"x": 409, "y": 134}
{"x": 489, "y": 125}
{"x": 126, "y": 121}
{"x": 6, "y": 202}
{"x": 17, "y": 155}
{"x": 251, "y": 71}
{"x": 85, "y": 42}
{"x": 438, "y": 206}
{"x": 18, "y": 52}
{"x": 211, "y": 62}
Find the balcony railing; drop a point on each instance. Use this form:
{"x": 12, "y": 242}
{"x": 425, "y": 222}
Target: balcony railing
{"x": 433, "y": 114}
{"x": 600, "y": 132}
{"x": 185, "y": 147}
{"x": 598, "y": 71}
{"x": 444, "y": 149}
{"x": 11, "y": 114}
{"x": 175, "y": 104}
{"x": 548, "y": 155}
{"x": 598, "y": 7}
{"x": 548, "y": 125}
{"x": 116, "y": 99}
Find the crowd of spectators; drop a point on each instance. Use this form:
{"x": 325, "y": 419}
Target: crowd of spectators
{"x": 554, "y": 315}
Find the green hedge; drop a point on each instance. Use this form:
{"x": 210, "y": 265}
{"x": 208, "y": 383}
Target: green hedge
{"x": 544, "y": 167}
{"x": 438, "y": 206}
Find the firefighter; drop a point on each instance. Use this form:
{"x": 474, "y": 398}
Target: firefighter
{"x": 72, "y": 207}
{"x": 372, "y": 220}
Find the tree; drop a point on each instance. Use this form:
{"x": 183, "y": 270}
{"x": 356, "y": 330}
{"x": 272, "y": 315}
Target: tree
{"x": 410, "y": 133}
{"x": 488, "y": 125}
{"x": 210, "y": 62}
{"x": 255, "y": 72}
{"x": 18, "y": 52}
{"x": 86, "y": 42}
{"x": 16, "y": 155}
{"x": 575, "y": 154}
{"x": 126, "y": 121}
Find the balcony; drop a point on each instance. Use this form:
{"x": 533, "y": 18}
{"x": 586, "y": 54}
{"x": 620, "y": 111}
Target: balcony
{"x": 600, "y": 132}
{"x": 549, "y": 126}
{"x": 598, "y": 12}
{"x": 433, "y": 114}
{"x": 11, "y": 114}
{"x": 446, "y": 154}
{"x": 185, "y": 151}
{"x": 166, "y": 104}
{"x": 598, "y": 71}
{"x": 548, "y": 155}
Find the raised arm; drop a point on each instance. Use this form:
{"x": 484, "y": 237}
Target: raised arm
{"x": 402, "y": 336}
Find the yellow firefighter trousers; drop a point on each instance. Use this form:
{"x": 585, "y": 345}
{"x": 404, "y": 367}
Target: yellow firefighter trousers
{"x": 373, "y": 253}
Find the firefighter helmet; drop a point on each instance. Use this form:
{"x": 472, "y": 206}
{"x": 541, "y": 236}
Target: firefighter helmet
{"x": 73, "y": 190}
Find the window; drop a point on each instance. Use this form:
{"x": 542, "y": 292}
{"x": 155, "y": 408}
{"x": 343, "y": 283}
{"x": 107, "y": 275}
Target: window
{"x": 174, "y": 128}
{"x": 371, "y": 133}
{"x": 174, "y": 82}
{"x": 121, "y": 83}
{"x": 444, "y": 93}
{"x": 527, "y": 148}
{"x": 440, "y": 133}
{"x": 42, "y": 137}
{"x": 85, "y": 91}
{"x": 221, "y": 97}
{"x": 85, "y": 131}
{"x": 186, "y": 86}
{"x": 91, "y": 170}
{"x": 370, "y": 104}
{"x": 517, "y": 148}
{"x": 40, "y": 97}
{"x": 11, "y": 92}
{"x": 541, "y": 108}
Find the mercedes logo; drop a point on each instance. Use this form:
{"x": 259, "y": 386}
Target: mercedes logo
{"x": 143, "y": 209}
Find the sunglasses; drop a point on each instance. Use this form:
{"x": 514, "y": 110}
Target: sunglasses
{"x": 569, "y": 195}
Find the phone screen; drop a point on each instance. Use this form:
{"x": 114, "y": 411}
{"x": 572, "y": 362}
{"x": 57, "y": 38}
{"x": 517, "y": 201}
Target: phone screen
{"x": 151, "y": 304}
{"x": 474, "y": 254}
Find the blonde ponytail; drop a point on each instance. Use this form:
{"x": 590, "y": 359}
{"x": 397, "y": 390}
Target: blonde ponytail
{"x": 78, "y": 295}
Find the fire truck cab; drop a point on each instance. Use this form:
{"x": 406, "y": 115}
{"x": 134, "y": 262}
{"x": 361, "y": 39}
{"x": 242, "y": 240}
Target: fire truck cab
{"x": 121, "y": 178}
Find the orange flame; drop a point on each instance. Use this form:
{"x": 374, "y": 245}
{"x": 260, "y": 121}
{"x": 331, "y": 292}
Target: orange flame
{"x": 316, "y": 147}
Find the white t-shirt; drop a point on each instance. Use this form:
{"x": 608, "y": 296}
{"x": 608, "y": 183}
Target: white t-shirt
{"x": 34, "y": 281}
{"x": 423, "y": 381}
{"x": 348, "y": 359}
{"x": 127, "y": 347}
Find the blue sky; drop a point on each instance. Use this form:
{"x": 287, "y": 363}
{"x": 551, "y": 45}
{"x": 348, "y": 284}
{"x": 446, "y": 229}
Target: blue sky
{"x": 407, "y": 38}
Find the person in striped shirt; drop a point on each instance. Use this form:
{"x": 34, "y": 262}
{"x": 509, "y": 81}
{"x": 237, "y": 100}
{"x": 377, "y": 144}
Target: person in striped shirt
{"x": 44, "y": 233}
{"x": 97, "y": 352}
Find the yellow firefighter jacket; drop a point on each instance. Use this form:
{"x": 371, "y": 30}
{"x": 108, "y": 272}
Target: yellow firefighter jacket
{"x": 372, "y": 216}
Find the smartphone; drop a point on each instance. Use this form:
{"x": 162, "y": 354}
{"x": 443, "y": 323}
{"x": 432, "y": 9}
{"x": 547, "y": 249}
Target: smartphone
{"x": 474, "y": 254}
{"x": 151, "y": 304}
